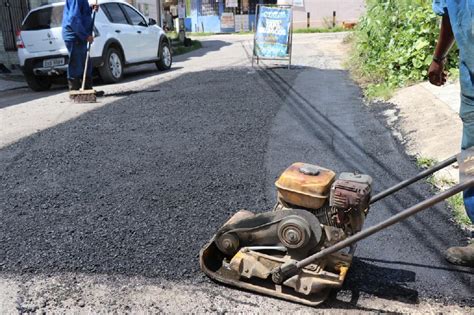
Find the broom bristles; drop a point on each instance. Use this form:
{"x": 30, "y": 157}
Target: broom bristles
{"x": 84, "y": 96}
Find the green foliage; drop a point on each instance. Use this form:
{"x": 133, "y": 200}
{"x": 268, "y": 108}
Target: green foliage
{"x": 320, "y": 30}
{"x": 457, "y": 206}
{"x": 394, "y": 43}
{"x": 425, "y": 162}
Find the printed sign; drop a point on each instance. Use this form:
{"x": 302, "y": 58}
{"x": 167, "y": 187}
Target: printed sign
{"x": 272, "y": 36}
{"x": 227, "y": 20}
{"x": 231, "y": 3}
{"x": 298, "y": 3}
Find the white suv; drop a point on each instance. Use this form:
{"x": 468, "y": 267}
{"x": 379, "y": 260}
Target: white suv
{"x": 123, "y": 37}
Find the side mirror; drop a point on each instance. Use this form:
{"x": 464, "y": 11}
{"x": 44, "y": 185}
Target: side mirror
{"x": 151, "y": 21}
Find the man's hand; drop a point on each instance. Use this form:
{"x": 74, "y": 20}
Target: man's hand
{"x": 90, "y": 39}
{"x": 436, "y": 73}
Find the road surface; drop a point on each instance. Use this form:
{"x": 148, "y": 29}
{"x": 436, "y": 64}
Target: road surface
{"x": 105, "y": 206}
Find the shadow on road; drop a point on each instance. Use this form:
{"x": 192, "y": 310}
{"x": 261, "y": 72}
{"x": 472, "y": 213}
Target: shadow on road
{"x": 133, "y": 73}
{"x": 23, "y": 95}
{"x": 382, "y": 282}
{"x": 207, "y": 46}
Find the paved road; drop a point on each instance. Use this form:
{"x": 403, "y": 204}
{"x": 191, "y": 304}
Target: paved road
{"x": 126, "y": 194}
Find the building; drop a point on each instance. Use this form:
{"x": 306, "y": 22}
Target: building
{"x": 149, "y": 8}
{"x": 217, "y": 16}
{"x": 321, "y": 12}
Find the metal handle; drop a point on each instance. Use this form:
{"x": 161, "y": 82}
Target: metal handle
{"x": 289, "y": 269}
{"x": 139, "y": 32}
{"x": 416, "y": 178}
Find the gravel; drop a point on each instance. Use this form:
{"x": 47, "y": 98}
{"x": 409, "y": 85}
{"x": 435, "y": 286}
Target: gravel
{"x": 138, "y": 186}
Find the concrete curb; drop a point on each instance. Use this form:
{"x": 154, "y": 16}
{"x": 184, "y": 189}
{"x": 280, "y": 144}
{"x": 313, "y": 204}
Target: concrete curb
{"x": 428, "y": 122}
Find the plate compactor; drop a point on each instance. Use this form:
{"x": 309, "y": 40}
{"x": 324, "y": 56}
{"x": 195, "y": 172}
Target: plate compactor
{"x": 303, "y": 249}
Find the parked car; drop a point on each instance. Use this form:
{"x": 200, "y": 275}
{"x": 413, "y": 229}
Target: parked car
{"x": 123, "y": 37}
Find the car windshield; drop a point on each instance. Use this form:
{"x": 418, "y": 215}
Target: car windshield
{"x": 44, "y": 18}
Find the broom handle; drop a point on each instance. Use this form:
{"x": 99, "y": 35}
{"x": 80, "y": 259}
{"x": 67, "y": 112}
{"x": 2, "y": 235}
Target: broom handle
{"x": 84, "y": 75}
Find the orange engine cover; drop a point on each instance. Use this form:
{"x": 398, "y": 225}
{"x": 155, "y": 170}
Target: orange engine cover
{"x": 305, "y": 185}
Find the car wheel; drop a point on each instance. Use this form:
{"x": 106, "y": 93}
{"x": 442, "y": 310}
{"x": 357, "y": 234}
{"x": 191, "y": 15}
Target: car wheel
{"x": 166, "y": 57}
{"x": 38, "y": 83}
{"x": 112, "y": 70}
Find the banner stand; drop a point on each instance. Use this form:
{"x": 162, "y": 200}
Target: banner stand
{"x": 255, "y": 56}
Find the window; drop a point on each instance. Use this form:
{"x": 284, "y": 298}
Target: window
{"x": 44, "y": 18}
{"x": 134, "y": 16}
{"x": 114, "y": 13}
{"x": 209, "y": 7}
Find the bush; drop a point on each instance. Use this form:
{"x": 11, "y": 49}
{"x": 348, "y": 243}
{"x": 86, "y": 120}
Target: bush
{"x": 394, "y": 43}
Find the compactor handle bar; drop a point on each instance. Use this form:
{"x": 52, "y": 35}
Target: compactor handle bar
{"x": 415, "y": 178}
{"x": 291, "y": 268}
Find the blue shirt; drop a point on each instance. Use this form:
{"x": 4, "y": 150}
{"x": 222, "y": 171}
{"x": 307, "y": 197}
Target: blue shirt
{"x": 460, "y": 14}
{"x": 77, "y": 20}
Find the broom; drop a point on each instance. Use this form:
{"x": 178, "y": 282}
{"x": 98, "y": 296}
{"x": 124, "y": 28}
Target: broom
{"x": 83, "y": 95}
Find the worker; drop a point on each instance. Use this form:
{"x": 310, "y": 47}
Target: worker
{"x": 77, "y": 32}
{"x": 457, "y": 24}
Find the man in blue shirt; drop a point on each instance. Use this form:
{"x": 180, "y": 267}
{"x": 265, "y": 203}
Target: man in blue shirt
{"x": 458, "y": 24}
{"x": 77, "y": 32}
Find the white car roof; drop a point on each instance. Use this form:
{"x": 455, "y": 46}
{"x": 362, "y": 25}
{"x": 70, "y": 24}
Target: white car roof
{"x": 62, "y": 3}
{"x": 50, "y": 5}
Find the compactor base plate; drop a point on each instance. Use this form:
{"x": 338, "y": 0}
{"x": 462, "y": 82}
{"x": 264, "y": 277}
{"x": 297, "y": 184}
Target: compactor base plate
{"x": 216, "y": 265}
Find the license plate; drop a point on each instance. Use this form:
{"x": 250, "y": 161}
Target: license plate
{"x": 53, "y": 62}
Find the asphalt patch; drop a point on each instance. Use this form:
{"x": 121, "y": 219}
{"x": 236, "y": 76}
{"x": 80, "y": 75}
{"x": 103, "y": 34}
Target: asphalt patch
{"x": 138, "y": 186}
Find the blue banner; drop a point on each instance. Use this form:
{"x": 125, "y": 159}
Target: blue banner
{"x": 272, "y": 36}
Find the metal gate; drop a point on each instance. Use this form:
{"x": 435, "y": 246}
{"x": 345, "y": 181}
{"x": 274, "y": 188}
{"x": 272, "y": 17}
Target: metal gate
{"x": 12, "y": 13}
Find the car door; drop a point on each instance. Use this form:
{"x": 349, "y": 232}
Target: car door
{"x": 146, "y": 39}
{"x": 123, "y": 31}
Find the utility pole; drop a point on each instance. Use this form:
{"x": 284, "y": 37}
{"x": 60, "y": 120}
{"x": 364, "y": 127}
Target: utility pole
{"x": 181, "y": 17}
{"x": 159, "y": 17}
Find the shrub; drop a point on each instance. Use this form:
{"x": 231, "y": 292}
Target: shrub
{"x": 394, "y": 43}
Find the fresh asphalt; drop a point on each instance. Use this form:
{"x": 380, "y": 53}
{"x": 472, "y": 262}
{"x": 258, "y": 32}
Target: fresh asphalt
{"x": 138, "y": 186}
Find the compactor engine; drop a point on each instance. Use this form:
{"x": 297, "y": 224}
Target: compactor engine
{"x": 314, "y": 211}
{"x": 304, "y": 247}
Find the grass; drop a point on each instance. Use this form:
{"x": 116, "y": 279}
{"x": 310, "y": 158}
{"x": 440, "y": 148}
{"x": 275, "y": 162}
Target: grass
{"x": 457, "y": 205}
{"x": 197, "y": 34}
{"x": 296, "y": 31}
{"x": 320, "y": 30}
{"x": 455, "y": 202}
{"x": 425, "y": 162}
{"x": 379, "y": 91}
{"x": 181, "y": 49}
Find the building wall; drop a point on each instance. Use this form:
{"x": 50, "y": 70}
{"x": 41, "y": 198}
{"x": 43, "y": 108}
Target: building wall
{"x": 321, "y": 12}
{"x": 7, "y": 58}
{"x": 37, "y": 3}
{"x": 149, "y": 8}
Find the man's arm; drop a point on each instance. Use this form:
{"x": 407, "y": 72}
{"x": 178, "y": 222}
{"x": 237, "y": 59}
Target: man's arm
{"x": 436, "y": 73}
